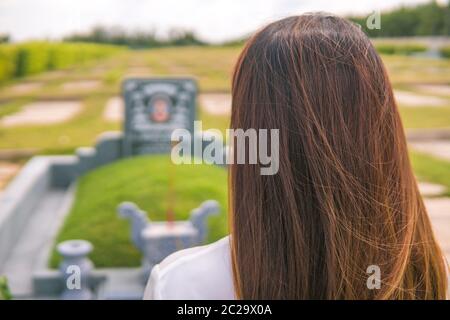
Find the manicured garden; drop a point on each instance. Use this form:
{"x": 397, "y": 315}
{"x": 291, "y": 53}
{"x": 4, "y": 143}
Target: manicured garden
{"x": 431, "y": 169}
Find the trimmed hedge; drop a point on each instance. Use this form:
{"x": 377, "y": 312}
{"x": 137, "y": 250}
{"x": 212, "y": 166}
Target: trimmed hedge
{"x": 32, "y": 58}
{"x": 401, "y": 49}
{"x": 8, "y": 62}
{"x": 35, "y": 57}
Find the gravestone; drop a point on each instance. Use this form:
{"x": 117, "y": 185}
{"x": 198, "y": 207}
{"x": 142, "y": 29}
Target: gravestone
{"x": 153, "y": 109}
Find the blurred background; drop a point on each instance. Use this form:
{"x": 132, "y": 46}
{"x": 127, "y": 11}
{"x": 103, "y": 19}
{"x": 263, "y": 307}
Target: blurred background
{"x": 62, "y": 63}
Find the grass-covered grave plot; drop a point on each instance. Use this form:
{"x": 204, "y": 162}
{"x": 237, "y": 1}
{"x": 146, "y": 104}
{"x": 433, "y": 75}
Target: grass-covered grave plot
{"x": 145, "y": 181}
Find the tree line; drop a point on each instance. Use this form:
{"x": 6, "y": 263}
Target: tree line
{"x": 429, "y": 19}
{"x": 138, "y": 39}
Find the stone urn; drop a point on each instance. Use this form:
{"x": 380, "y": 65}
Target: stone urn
{"x": 75, "y": 269}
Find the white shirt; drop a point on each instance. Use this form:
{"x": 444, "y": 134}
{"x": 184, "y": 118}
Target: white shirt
{"x": 199, "y": 273}
{"x": 196, "y": 273}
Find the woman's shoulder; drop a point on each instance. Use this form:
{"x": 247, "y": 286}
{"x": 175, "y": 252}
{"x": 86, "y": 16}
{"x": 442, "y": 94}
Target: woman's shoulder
{"x": 202, "y": 272}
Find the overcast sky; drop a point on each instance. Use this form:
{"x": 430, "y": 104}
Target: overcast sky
{"x": 212, "y": 20}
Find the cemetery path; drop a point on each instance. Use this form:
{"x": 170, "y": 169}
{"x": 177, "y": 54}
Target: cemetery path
{"x": 410, "y": 99}
{"x": 43, "y": 113}
{"x": 436, "y": 148}
{"x": 33, "y": 248}
{"x": 439, "y": 212}
{"x": 428, "y": 189}
{"x": 438, "y": 208}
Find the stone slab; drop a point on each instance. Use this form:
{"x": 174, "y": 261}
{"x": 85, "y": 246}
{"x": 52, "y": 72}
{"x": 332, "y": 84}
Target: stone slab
{"x": 121, "y": 284}
{"x": 428, "y": 189}
{"x": 43, "y": 113}
{"x": 410, "y": 99}
{"x": 438, "y": 148}
{"x": 216, "y": 103}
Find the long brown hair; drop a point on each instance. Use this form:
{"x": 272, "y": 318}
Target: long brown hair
{"x": 345, "y": 196}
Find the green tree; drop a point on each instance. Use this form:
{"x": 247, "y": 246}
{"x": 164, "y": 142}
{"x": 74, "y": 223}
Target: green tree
{"x": 431, "y": 19}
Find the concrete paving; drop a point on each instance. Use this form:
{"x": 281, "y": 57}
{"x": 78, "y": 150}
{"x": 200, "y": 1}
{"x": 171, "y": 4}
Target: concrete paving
{"x": 42, "y": 113}
{"x": 32, "y": 251}
{"x": 122, "y": 284}
{"x": 216, "y": 103}
{"x": 436, "y": 148}
{"x": 410, "y": 99}
{"x": 439, "y": 212}
{"x": 428, "y": 189}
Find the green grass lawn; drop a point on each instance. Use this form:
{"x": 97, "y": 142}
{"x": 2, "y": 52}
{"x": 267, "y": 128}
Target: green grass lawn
{"x": 211, "y": 66}
{"x": 431, "y": 169}
{"x": 425, "y": 117}
{"x": 143, "y": 180}
{"x": 414, "y": 70}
